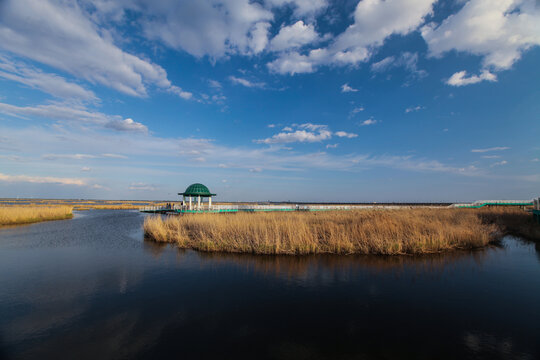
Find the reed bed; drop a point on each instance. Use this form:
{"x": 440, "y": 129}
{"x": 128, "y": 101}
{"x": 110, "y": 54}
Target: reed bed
{"x": 512, "y": 221}
{"x": 384, "y": 232}
{"x": 108, "y": 206}
{"x": 14, "y": 215}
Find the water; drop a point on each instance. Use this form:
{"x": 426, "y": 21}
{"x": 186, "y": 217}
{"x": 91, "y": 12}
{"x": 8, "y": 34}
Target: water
{"x": 91, "y": 288}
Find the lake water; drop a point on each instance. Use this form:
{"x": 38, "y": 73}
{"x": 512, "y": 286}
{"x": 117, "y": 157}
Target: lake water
{"x": 91, "y": 288}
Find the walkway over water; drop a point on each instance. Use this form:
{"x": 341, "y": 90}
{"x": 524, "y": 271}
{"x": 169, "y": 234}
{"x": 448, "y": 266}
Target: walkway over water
{"x": 482, "y": 203}
{"x": 232, "y": 208}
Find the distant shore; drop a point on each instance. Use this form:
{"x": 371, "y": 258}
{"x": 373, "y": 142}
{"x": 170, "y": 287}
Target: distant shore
{"x": 382, "y": 232}
{"x": 20, "y": 215}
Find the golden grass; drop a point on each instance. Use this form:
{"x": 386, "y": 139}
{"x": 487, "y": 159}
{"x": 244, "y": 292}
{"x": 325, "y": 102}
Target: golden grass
{"x": 14, "y": 215}
{"x": 512, "y": 221}
{"x": 385, "y": 232}
{"x": 107, "y": 207}
{"x": 82, "y": 204}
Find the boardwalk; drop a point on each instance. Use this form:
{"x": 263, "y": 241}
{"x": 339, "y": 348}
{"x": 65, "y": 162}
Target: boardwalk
{"x": 232, "y": 208}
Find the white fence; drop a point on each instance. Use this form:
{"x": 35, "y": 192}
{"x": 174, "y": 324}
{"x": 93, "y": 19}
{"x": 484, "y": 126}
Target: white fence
{"x": 284, "y": 207}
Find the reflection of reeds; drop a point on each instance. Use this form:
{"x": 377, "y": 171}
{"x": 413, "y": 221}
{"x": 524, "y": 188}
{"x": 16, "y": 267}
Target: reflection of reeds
{"x": 315, "y": 267}
{"x": 389, "y": 232}
{"x": 12, "y": 215}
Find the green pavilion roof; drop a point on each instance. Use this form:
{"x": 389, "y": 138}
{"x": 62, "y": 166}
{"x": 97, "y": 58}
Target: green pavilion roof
{"x": 197, "y": 190}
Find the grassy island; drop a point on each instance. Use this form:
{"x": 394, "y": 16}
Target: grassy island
{"x": 385, "y": 232}
{"x": 16, "y": 215}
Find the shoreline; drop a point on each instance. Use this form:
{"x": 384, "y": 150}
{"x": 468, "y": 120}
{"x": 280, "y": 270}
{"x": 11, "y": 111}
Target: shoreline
{"x": 18, "y": 215}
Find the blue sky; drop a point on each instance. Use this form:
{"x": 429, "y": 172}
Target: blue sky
{"x": 301, "y": 100}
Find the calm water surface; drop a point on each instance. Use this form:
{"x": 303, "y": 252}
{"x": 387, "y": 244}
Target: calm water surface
{"x": 91, "y": 288}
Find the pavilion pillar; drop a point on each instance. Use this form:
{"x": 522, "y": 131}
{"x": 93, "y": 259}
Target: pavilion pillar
{"x": 209, "y": 202}
{"x": 190, "y": 207}
{"x": 183, "y": 200}
{"x": 199, "y": 202}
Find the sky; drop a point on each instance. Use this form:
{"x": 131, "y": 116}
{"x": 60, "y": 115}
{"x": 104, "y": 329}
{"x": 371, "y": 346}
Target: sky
{"x": 298, "y": 100}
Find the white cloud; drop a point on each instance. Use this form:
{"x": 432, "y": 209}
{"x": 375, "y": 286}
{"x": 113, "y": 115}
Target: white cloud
{"x": 169, "y": 151}
{"x": 139, "y": 186}
{"x": 292, "y": 63}
{"x": 406, "y": 60}
{"x": 114, "y": 156}
{"x": 355, "y": 111}
{"x": 258, "y": 38}
{"x": 414, "y": 108}
{"x": 499, "y": 163}
{"x": 255, "y": 170}
{"x": 345, "y": 134}
{"x": 304, "y": 133}
{"x": 460, "y": 78}
{"x": 491, "y": 157}
{"x": 215, "y": 84}
{"x": 332, "y": 146}
{"x": 498, "y": 30}
{"x": 346, "y": 88}
{"x": 74, "y": 115}
{"x": 294, "y": 36}
{"x": 127, "y": 125}
{"x": 42, "y": 179}
{"x": 535, "y": 160}
{"x": 68, "y": 156}
{"x": 49, "y": 83}
{"x": 374, "y": 21}
{"x": 62, "y": 36}
{"x": 247, "y": 83}
{"x": 496, "y": 148}
{"x": 214, "y": 28}
{"x": 178, "y": 91}
{"x": 368, "y": 122}
{"x": 271, "y": 125}
{"x": 383, "y": 65}
{"x": 86, "y": 169}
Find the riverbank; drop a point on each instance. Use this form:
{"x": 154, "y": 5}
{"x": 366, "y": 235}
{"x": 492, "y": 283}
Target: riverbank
{"x": 18, "y": 215}
{"x": 81, "y": 205}
{"x": 383, "y": 232}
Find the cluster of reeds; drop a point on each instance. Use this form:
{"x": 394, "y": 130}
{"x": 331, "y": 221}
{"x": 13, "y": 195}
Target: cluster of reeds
{"x": 388, "y": 232}
{"x": 124, "y": 206}
{"x": 13, "y": 215}
{"x": 512, "y": 221}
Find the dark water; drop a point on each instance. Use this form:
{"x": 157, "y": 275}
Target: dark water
{"x": 90, "y": 288}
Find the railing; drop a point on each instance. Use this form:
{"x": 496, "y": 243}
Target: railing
{"x": 481, "y": 203}
{"x": 291, "y": 207}
{"x": 262, "y": 208}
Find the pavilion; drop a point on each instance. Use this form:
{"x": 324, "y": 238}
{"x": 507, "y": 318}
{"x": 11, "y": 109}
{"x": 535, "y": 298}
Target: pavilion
{"x": 196, "y": 191}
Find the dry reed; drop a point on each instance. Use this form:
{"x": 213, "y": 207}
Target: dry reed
{"x": 14, "y": 215}
{"x": 388, "y": 232}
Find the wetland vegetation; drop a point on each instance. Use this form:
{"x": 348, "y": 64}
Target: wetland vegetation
{"x": 382, "y": 232}
{"x": 15, "y": 215}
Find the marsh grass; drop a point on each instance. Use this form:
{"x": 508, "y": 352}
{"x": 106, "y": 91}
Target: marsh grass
{"x": 512, "y": 222}
{"x": 385, "y": 232}
{"x": 14, "y": 215}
